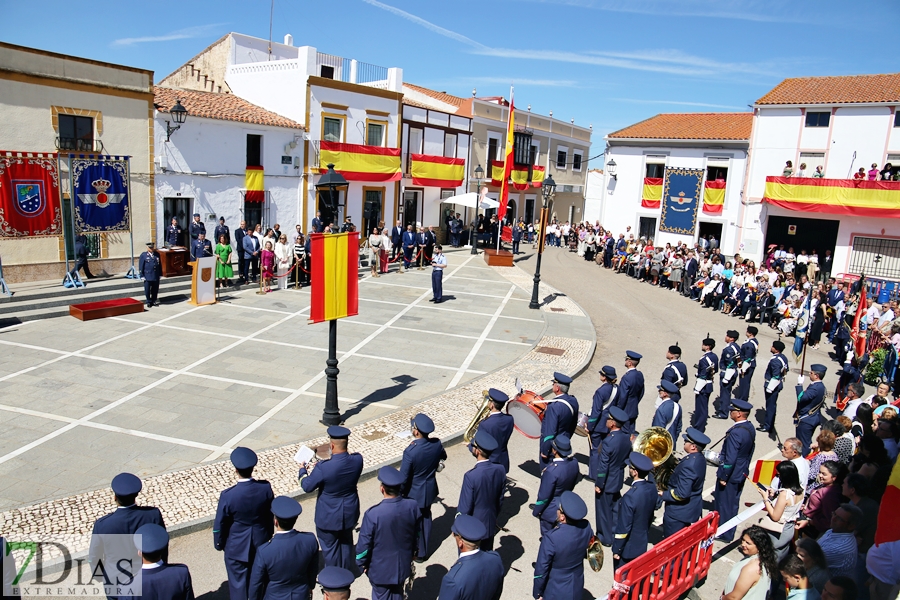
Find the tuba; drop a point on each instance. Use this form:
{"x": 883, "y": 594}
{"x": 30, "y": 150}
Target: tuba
{"x": 595, "y": 554}
{"x": 480, "y": 416}
{"x": 656, "y": 444}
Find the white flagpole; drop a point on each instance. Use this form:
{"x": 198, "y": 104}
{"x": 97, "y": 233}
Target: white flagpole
{"x": 132, "y": 272}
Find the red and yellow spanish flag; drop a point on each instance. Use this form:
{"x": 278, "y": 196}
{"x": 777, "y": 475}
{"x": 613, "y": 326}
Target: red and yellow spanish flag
{"x": 860, "y": 198}
{"x": 357, "y": 162}
{"x": 507, "y": 160}
{"x": 518, "y": 174}
{"x": 888, "y": 527}
{"x": 765, "y": 471}
{"x": 254, "y": 184}
{"x": 334, "y": 268}
{"x": 437, "y": 171}
{"x": 714, "y": 197}
{"x": 652, "y": 195}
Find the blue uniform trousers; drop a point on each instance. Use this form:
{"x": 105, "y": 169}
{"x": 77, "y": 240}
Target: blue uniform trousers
{"x": 605, "y": 509}
{"x": 701, "y": 411}
{"x": 437, "y": 289}
{"x": 151, "y": 289}
{"x": 726, "y": 500}
{"x": 337, "y": 548}
{"x": 238, "y": 577}
{"x": 805, "y": 430}
{"x": 387, "y": 592}
{"x": 771, "y": 404}
{"x": 671, "y": 526}
{"x": 723, "y": 402}
{"x": 743, "y": 387}
{"x": 425, "y": 533}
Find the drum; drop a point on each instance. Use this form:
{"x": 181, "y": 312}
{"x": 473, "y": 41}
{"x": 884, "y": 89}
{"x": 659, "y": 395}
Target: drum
{"x": 527, "y": 411}
{"x": 713, "y": 458}
{"x": 581, "y": 425}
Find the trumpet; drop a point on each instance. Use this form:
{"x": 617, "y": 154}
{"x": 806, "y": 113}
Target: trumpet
{"x": 480, "y": 416}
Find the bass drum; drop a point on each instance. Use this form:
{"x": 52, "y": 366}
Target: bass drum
{"x": 527, "y": 411}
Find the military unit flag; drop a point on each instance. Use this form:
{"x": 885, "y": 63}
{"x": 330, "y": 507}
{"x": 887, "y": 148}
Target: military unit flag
{"x": 29, "y": 195}
{"x": 100, "y": 192}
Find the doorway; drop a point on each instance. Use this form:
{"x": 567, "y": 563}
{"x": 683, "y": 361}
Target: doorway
{"x": 372, "y": 203}
{"x": 332, "y": 213}
{"x": 253, "y": 215}
{"x": 803, "y": 234}
{"x": 511, "y": 212}
{"x": 647, "y": 228}
{"x": 411, "y": 211}
{"x": 705, "y": 229}
{"x": 177, "y": 208}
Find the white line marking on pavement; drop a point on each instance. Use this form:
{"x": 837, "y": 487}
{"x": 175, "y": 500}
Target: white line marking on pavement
{"x": 417, "y": 364}
{"x": 474, "y": 351}
{"x": 446, "y": 292}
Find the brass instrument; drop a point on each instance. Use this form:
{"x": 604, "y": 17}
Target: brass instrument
{"x": 480, "y": 416}
{"x": 656, "y": 444}
{"x": 595, "y": 554}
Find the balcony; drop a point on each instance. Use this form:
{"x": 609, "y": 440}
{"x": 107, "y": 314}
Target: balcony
{"x": 351, "y": 71}
{"x": 879, "y": 199}
{"x": 70, "y": 144}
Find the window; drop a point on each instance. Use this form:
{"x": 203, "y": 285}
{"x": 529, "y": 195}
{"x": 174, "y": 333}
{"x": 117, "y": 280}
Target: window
{"x": 818, "y": 119}
{"x": 372, "y": 207}
{"x": 897, "y": 118}
{"x": 374, "y": 134}
{"x": 254, "y": 150}
{"x": 876, "y": 257}
{"x": 326, "y": 71}
{"x": 522, "y": 148}
{"x": 811, "y": 160}
{"x": 576, "y": 160}
{"x": 714, "y": 173}
{"x": 656, "y": 170}
{"x": 492, "y": 152}
{"x": 450, "y": 145}
{"x": 331, "y": 129}
{"x": 562, "y": 157}
{"x": 76, "y": 133}
{"x": 535, "y": 154}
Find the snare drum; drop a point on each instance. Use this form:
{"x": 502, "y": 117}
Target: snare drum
{"x": 527, "y": 411}
{"x": 713, "y": 458}
{"x": 581, "y": 425}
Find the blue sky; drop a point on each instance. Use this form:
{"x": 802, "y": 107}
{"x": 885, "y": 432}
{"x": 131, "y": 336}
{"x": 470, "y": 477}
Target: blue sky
{"x": 609, "y": 63}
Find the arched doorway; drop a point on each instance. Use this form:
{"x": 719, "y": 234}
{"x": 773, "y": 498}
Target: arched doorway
{"x": 511, "y": 212}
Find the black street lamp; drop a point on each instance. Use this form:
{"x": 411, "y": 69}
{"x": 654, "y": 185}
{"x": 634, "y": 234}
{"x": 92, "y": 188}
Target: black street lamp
{"x": 331, "y": 181}
{"x": 179, "y": 115}
{"x": 547, "y": 190}
{"x": 611, "y": 169}
{"x": 479, "y": 176}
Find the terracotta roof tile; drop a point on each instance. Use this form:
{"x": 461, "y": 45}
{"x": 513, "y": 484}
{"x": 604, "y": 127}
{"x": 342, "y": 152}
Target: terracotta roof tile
{"x": 225, "y": 107}
{"x": 835, "y": 90}
{"x": 442, "y": 96}
{"x": 690, "y": 126}
{"x": 416, "y": 104}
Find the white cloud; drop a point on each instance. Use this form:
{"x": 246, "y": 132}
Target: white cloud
{"x": 426, "y": 24}
{"x": 181, "y": 34}
{"x": 678, "y": 103}
{"x": 762, "y": 11}
{"x": 525, "y": 81}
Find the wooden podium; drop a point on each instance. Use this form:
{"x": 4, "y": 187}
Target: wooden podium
{"x": 174, "y": 261}
{"x": 203, "y": 281}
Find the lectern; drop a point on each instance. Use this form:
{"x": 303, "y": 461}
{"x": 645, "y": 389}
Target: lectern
{"x": 203, "y": 281}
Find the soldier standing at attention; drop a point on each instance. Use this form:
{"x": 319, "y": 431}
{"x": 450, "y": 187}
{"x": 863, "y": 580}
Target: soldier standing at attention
{"x": 611, "y": 474}
{"x": 707, "y": 367}
{"x": 286, "y": 566}
{"x": 476, "y": 575}
{"x": 482, "y": 487}
{"x": 418, "y": 473}
{"x": 561, "y": 416}
{"x": 500, "y": 425}
{"x": 559, "y": 570}
{"x": 675, "y": 370}
{"x": 197, "y": 227}
{"x": 150, "y": 269}
{"x": 631, "y": 390}
{"x": 749, "y": 350}
{"x": 684, "y": 493}
{"x": 560, "y": 476}
{"x": 728, "y": 369}
{"x": 635, "y": 512}
{"x": 740, "y": 442}
{"x": 774, "y": 382}
{"x": 604, "y": 399}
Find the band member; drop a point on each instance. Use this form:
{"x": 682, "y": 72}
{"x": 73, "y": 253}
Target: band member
{"x": 749, "y": 349}
{"x": 336, "y": 582}
{"x": 774, "y": 382}
{"x": 559, "y": 570}
{"x": 635, "y": 512}
{"x": 286, "y": 566}
{"x": 675, "y": 371}
{"x": 809, "y": 405}
{"x": 419, "y": 472}
{"x": 631, "y": 390}
{"x": 740, "y": 442}
{"x": 604, "y": 399}
{"x": 668, "y": 410}
{"x": 611, "y": 474}
{"x": 500, "y": 425}
{"x": 560, "y": 476}
{"x": 727, "y": 371}
{"x": 482, "y": 487}
{"x": 684, "y": 492}
{"x": 476, "y": 575}
{"x": 561, "y": 415}
{"x": 158, "y": 578}
{"x": 707, "y": 367}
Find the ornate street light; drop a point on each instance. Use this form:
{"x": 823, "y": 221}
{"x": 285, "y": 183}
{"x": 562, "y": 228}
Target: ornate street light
{"x": 179, "y": 115}
{"x": 479, "y": 177}
{"x": 548, "y": 189}
{"x": 611, "y": 169}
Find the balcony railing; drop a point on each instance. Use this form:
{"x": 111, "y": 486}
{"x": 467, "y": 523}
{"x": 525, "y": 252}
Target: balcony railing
{"x": 78, "y": 144}
{"x": 349, "y": 70}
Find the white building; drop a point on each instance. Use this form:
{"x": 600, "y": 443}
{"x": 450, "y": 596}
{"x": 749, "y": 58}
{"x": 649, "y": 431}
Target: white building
{"x": 593, "y": 195}
{"x": 200, "y": 168}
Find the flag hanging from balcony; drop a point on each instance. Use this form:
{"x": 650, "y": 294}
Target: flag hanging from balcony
{"x": 652, "y": 194}
{"x": 680, "y": 200}
{"x": 518, "y": 174}
{"x": 100, "y": 191}
{"x": 437, "y": 171}
{"x": 29, "y": 195}
{"x": 835, "y": 196}
{"x": 254, "y": 184}
{"x": 507, "y": 161}
{"x": 357, "y": 162}
{"x": 714, "y": 197}
{"x": 334, "y": 267}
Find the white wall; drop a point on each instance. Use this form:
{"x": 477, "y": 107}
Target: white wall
{"x": 278, "y": 85}
{"x": 864, "y": 130}
{"x": 594, "y": 195}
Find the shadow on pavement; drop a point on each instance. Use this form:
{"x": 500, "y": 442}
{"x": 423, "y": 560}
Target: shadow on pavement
{"x": 532, "y": 468}
{"x": 510, "y": 550}
{"x": 402, "y": 384}
{"x": 429, "y": 586}
{"x": 219, "y": 594}
{"x": 511, "y": 505}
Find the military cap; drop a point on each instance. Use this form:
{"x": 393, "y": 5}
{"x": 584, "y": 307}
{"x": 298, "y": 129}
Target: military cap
{"x": 423, "y": 423}
{"x": 778, "y": 345}
{"x": 485, "y": 440}
{"x": 617, "y": 414}
{"x": 820, "y": 369}
{"x": 752, "y": 330}
{"x": 709, "y": 342}
{"x": 633, "y": 355}
{"x": 562, "y": 378}
{"x": 286, "y": 508}
{"x": 150, "y": 538}
{"x": 497, "y": 395}
{"x": 696, "y": 436}
{"x": 196, "y": 214}
{"x": 151, "y": 244}
{"x": 668, "y": 386}
{"x": 742, "y": 405}
{"x": 608, "y": 372}
{"x": 732, "y": 334}
{"x": 640, "y": 461}
{"x": 126, "y": 484}
{"x": 390, "y": 476}
{"x": 572, "y": 506}
{"x": 562, "y": 444}
{"x": 336, "y": 432}
{"x": 469, "y": 528}
{"x": 243, "y": 458}
{"x": 335, "y": 579}
{"x": 675, "y": 350}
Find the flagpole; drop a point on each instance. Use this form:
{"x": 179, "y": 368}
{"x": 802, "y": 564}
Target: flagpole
{"x": 504, "y": 186}
{"x": 76, "y": 279}
{"x": 132, "y": 272}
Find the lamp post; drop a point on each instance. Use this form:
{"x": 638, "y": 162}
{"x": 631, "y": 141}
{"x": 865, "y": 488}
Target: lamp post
{"x": 331, "y": 181}
{"x": 479, "y": 175}
{"x": 547, "y": 190}
{"x": 611, "y": 169}
{"x": 179, "y": 115}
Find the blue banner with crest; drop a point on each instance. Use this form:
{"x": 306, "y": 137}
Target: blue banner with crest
{"x": 681, "y": 199}
{"x": 100, "y": 192}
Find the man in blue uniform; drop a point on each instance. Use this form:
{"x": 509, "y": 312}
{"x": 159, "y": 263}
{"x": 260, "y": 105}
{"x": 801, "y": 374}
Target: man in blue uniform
{"x": 482, "y": 487}
{"x": 675, "y": 370}
{"x": 438, "y": 264}
{"x": 201, "y": 247}
{"x": 387, "y": 538}
{"x": 774, "y": 382}
{"x": 560, "y": 476}
{"x": 317, "y": 225}
{"x": 159, "y": 579}
{"x": 476, "y": 575}
{"x": 222, "y": 229}
{"x": 635, "y": 512}
{"x": 500, "y": 425}
{"x": 243, "y": 522}
{"x": 668, "y": 411}
{"x": 604, "y": 399}
{"x": 561, "y": 415}
{"x": 173, "y": 232}
{"x": 336, "y": 583}
{"x": 611, "y": 474}
{"x": 418, "y": 471}
{"x": 631, "y": 390}
{"x": 728, "y": 364}
{"x": 337, "y": 507}
{"x": 109, "y": 543}
{"x": 684, "y": 492}
{"x": 707, "y": 367}
{"x": 409, "y": 247}
{"x": 559, "y": 570}
{"x": 740, "y": 442}
{"x": 749, "y": 349}
{"x": 286, "y": 566}
{"x": 150, "y": 269}
{"x": 197, "y": 227}
{"x": 809, "y": 406}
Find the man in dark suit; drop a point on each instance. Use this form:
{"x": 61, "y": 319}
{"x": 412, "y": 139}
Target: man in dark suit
{"x": 337, "y": 507}
{"x": 158, "y": 579}
{"x": 500, "y": 425}
{"x": 604, "y": 399}
{"x": 631, "y": 390}
{"x": 317, "y": 225}
{"x": 409, "y": 246}
{"x": 421, "y": 242}
{"x": 691, "y": 267}
{"x": 561, "y": 415}
{"x": 482, "y": 487}
{"x": 396, "y": 239}
{"x": 559, "y": 570}
{"x": 222, "y": 229}
{"x": 150, "y": 269}
{"x": 243, "y": 522}
{"x": 251, "y": 258}
{"x": 201, "y": 247}
{"x": 239, "y": 234}
{"x": 635, "y": 512}
{"x": 476, "y": 575}
{"x": 430, "y": 242}
{"x": 560, "y": 476}
{"x": 740, "y": 442}
{"x": 611, "y": 473}
{"x": 683, "y": 496}
{"x": 197, "y": 227}
{"x": 421, "y": 460}
{"x": 286, "y": 566}
{"x": 387, "y": 538}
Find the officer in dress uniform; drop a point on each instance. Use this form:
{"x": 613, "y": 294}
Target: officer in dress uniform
{"x": 387, "y": 538}
{"x": 201, "y": 247}
{"x": 337, "y": 507}
{"x": 482, "y": 487}
{"x": 476, "y": 575}
{"x": 500, "y": 425}
{"x": 675, "y": 371}
{"x": 285, "y": 567}
{"x": 683, "y": 496}
{"x": 728, "y": 364}
{"x": 604, "y": 399}
{"x": 668, "y": 411}
{"x": 774, "y": 382}
{"x": 150, "y": 268}
{"x": 243, "y": 522}
{"x": 438, "y": 264}
{"x": 631, "y": 390}
{"x": 749, "y": 349}
{"x": 635, "y": 512}
{"x": 740, "y": 442}
{"x": 707, "y": 367}
{"x": 418, "y": 471}
{"x": 173, "y": 231}
{"x": 222, "y": 229}
{"x": 560, "y": 476}
{"x": 336, "y": 583}
{"x": 109, "y": 543}
{"x": 197, "y": 227}
{"x": 809, "y": 406}
{"x": 559, "y": 570}
{"x": 611, "y": 474}
{"x": 159, "y": 579}
{"x": 561, "y": 415}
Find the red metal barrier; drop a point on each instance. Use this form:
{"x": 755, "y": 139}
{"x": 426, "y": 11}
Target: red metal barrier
{"x": 672, "y": 567}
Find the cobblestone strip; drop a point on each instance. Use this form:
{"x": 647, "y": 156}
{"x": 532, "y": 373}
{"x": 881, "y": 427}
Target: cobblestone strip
{"x": 558, "y": 302}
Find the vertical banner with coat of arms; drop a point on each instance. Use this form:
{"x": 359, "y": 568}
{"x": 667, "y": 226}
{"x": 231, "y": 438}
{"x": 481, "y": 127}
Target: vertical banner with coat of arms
{"x": 680, "y": 200}
{"x": 29, "y": 195}
{"x": 100, "y": 192}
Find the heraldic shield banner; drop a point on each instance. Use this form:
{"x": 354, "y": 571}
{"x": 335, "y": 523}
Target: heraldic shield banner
{"x": 29, "y": 195}
{"x": 100, "y": 190}
{"x": 680, "y": 200}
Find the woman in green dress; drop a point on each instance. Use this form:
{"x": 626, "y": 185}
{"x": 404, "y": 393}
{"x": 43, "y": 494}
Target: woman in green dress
{"x": 224, "y": 272}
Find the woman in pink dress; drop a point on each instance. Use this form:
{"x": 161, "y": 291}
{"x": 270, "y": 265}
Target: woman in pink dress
{"x": 873, "y": 172}
{"x": 267, "y": 262}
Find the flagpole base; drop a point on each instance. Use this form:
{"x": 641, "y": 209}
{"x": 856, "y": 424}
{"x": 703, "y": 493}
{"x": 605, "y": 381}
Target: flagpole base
{"x": 132, "y": 273}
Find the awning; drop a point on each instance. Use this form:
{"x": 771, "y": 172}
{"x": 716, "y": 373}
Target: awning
{"x": 470, "y": 200}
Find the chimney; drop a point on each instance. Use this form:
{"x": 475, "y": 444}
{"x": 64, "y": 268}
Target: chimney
{"x": 288, "y": 39}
